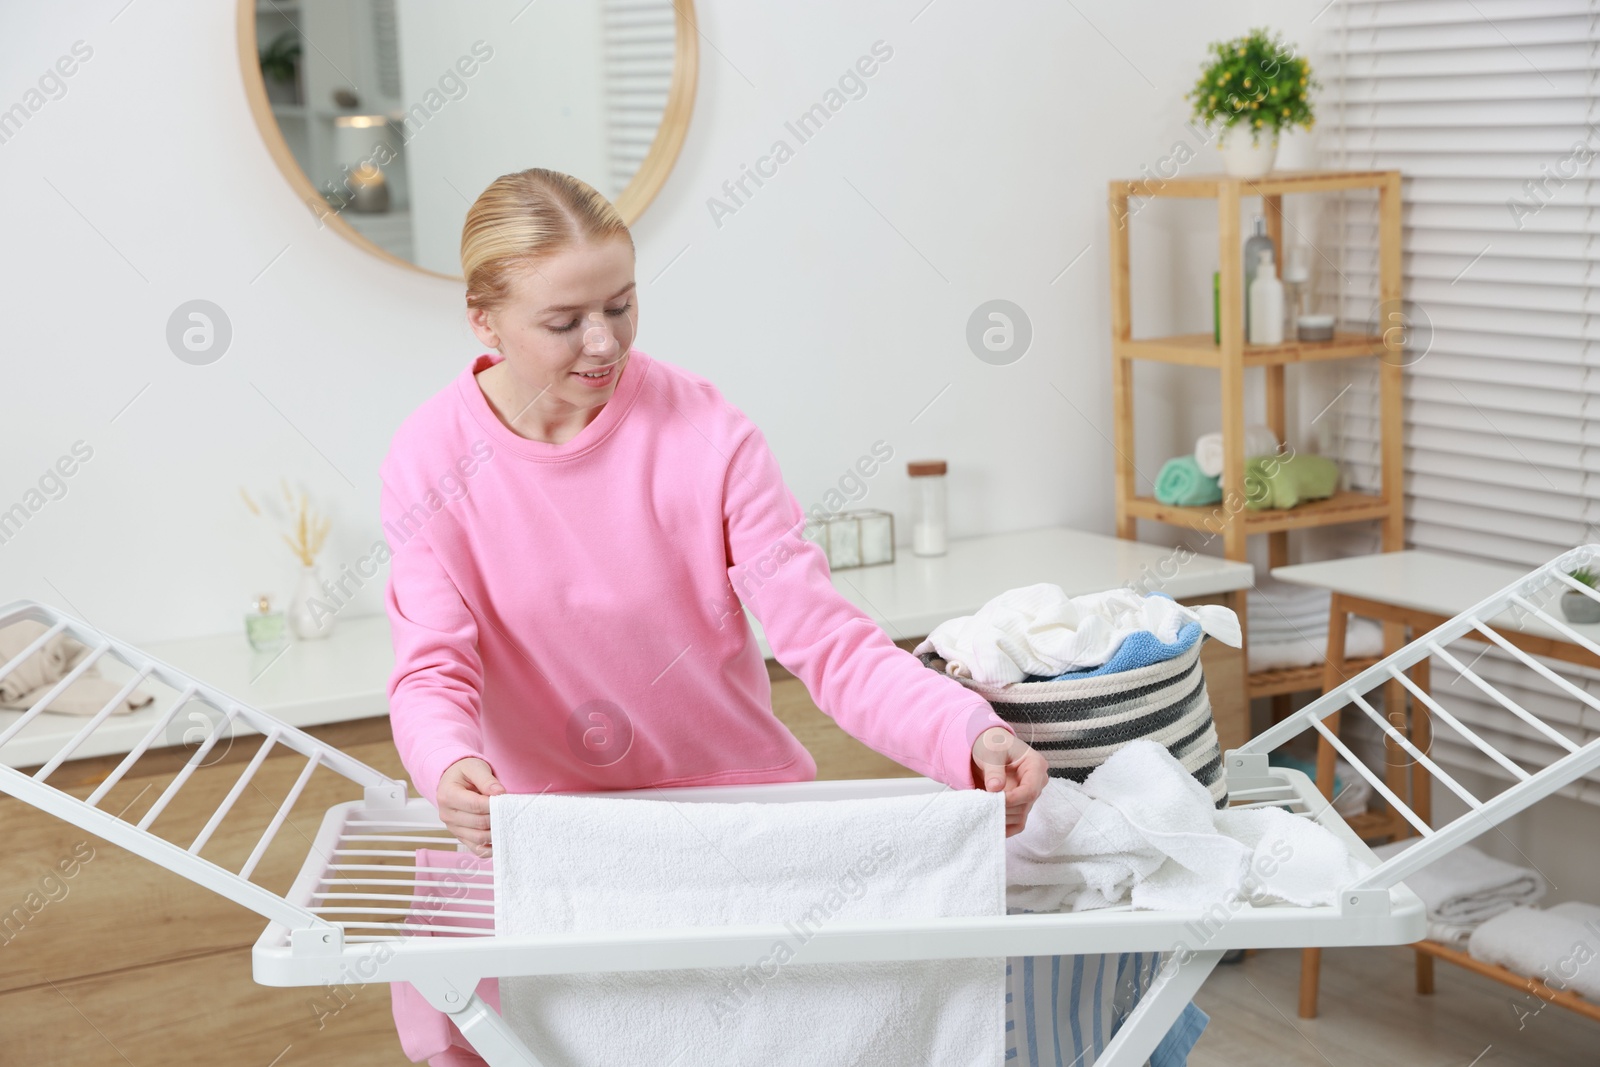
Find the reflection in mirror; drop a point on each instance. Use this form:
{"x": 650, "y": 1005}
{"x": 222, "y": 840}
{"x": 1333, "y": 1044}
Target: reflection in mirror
{"x": 390, "y": 116}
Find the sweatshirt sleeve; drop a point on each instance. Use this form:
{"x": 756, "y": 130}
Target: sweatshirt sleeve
{"x": 877, "y": 692}
{"x": 436, "y": 686}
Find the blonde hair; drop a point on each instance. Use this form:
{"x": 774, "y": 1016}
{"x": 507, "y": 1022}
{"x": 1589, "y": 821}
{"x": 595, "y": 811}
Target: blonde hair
{"x": 524, "y": 217}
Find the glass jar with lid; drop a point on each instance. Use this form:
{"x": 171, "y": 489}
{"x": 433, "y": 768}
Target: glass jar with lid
{"x": 928, "y": 507}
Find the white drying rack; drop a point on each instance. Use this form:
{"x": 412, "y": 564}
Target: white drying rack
{"x": 350, "y": 911}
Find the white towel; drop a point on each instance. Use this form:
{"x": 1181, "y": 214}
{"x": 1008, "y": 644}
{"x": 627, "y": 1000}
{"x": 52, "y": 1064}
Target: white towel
{"x": 592, "y": 864}
{"x": 1464, "y": 887}
{"x": 1550, "y": 945}
{"x": 1040, "y": 630}
{"x": 1258, "y": 441}
{"x": 1362, "y": 638}
{"x": 1142, "y": 830}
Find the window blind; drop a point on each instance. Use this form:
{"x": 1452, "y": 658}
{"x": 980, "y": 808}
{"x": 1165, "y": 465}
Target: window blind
{"x": 639, "y": 45}
{"x": 1488, "y": 108}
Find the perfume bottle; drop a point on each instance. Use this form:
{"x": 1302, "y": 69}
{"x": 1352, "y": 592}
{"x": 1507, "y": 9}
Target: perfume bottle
{"x": 264, "y": 626}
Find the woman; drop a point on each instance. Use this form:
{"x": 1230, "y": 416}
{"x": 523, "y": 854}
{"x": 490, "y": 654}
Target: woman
{"x": 574, "y": 527}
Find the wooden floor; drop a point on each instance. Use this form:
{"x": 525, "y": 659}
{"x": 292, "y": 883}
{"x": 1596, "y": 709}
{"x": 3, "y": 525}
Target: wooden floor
{"x": 1371, "y": 1016}
{"x": 122, "y": 963}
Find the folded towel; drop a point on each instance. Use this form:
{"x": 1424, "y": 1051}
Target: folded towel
{"x": 1362, "y": 638}
{"x": 1274, "y": 481}
{"x": 568, "y": 864}
{"x": 1181, "y": 483}
{"x": 446, "y": 896}
{"x": 1208, "y": 449}
{"x": 1466, "y": 885}
{"x": 1039, "y": 630}
{"x": 1141, "y": 830}
{"x": 1578, "y": 910}
{"x": 1549, "y": 945}
{"x": 1138, "y": 649}
{"x": 34, "y": 676}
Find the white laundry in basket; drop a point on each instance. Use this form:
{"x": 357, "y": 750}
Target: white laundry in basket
{"x": 589, "y": 864}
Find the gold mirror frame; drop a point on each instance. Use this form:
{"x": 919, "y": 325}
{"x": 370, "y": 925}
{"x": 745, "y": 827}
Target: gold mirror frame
{"x": 630, "y": 203}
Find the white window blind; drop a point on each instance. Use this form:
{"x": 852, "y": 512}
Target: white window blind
{"x": 1488, "y": 108}
{"x": 639, "y": 43}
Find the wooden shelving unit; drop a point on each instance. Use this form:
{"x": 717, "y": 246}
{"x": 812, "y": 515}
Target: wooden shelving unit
{"x": 1230, "y": 520}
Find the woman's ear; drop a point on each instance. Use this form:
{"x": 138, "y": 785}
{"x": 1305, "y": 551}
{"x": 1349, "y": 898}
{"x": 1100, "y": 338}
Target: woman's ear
{"x": 478, "y": 319}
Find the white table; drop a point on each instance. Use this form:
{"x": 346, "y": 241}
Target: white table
{"x": 1427, "y": 585}
{"x": 346, "y": 675}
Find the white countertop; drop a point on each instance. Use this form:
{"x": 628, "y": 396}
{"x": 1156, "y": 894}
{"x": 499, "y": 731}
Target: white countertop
{"x": 346, "y": 675}
{"x": 1426, "y": 581}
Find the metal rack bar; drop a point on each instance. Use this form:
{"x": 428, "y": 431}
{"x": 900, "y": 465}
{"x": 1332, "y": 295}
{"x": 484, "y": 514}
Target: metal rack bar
{"x": 89, "y": 727}
{"x": 139, "y": 749}
{"x": 281, "y": 814}
{"x": 1377, "y": 783}
{"x": 56, "y": 690}
{"x": 187, "y": 770}
{"x": 1404, "y": 742}
{"x": 233, "y": 794}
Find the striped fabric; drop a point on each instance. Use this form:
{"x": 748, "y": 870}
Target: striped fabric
{"x": 1076, "y": 723}
{"x": 1062, "y": 1011}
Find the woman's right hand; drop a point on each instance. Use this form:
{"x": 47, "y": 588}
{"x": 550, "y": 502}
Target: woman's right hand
{"x": 464, "y": 792}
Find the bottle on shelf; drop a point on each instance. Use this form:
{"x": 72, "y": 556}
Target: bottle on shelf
{"x": 1252, "y": 252}
{"x": 1266, "y": 302}
{"x": 1296, "y": 289}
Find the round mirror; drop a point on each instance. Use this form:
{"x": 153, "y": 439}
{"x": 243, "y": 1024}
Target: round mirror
{"x": 389, "y": 117}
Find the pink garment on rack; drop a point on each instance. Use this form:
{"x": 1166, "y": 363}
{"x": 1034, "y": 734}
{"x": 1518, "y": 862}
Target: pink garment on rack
{"x": 425, "y": 1031}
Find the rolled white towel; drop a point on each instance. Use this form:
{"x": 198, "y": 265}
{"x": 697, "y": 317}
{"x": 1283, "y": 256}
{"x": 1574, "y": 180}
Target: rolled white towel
{"x": 1548, "y": 945}
{"x": 1258, "y": 441}
{"x": 1466, "y": 886}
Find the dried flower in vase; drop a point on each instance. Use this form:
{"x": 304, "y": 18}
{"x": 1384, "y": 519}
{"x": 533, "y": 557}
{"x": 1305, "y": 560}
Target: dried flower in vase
{"x": 303, "y": 530}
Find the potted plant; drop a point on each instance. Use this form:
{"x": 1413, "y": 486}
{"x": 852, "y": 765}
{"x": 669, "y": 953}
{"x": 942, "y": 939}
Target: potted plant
{"x": 280, "y": 68}
{"x": 1579, "y": 607}
{"x": 1251, "y": 88}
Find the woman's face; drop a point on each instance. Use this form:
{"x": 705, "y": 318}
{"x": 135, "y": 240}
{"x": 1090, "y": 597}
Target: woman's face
{"x": 567, "y": 327}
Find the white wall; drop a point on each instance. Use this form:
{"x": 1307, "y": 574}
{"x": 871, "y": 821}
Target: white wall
{"x": 831, "y": 306}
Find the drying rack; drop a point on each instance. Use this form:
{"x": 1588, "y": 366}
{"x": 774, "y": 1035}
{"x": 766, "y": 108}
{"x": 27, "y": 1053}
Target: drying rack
{"x": 351, "y": 910}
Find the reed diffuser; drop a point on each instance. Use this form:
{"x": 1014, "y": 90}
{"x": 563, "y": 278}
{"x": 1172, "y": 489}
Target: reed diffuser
{"x": 305, "y": 531}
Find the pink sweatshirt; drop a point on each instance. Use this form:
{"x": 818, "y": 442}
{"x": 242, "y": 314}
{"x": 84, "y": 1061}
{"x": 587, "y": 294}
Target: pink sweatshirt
{"x": 571, "y": 613}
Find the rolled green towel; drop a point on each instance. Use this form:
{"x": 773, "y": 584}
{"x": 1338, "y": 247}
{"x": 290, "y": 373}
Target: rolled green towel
{"x": 1274, "y": 481}
{"x": 1181, "y": 483}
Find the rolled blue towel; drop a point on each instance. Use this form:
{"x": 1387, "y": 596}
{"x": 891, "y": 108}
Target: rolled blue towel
{"x": 1181, "y": 483}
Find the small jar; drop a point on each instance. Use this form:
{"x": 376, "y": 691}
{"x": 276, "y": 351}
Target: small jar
{"x": 928, "y": 514}
{"x": 264, "y": 626}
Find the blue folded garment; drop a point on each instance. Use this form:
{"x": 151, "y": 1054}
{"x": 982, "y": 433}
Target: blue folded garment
{"x": 1138, "y": 649}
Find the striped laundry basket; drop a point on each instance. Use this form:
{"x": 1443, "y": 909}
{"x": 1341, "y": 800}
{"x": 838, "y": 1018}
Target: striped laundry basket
{"x": 1076, "y": 723}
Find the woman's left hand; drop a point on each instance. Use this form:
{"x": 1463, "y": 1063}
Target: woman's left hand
{"x": 1002, "y": 760}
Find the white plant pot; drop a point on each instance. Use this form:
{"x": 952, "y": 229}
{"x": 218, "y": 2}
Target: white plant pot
{"x": 1244, "y": 158}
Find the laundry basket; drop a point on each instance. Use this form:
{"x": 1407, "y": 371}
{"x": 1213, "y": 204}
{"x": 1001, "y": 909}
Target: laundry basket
{"x": 1077, "y": 723}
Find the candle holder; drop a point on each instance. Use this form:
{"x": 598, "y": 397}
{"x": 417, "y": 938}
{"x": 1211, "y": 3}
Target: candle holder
{"x": 862, "y": 538}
